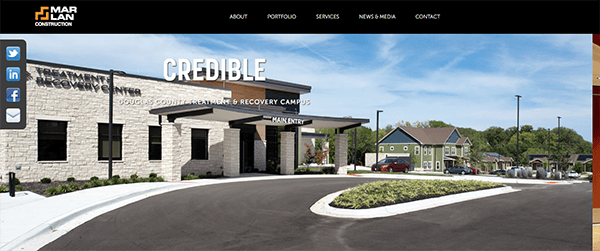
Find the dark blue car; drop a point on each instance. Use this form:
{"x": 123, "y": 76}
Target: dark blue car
{"x": 458, "y": 170}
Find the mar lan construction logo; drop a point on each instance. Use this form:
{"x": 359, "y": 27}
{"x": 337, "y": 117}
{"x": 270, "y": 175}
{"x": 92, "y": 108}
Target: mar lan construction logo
{"x": 55, "y": 15}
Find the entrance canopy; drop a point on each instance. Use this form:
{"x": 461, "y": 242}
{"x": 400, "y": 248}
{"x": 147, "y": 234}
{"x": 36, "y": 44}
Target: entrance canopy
{"x": 255, "y": 115}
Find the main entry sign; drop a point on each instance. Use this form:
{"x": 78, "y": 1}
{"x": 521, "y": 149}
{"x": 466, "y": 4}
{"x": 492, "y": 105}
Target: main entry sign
{"x": 284, "y": 120}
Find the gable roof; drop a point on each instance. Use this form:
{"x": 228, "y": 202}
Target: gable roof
{"x": 463, "y": 140}
{"x": 427, "y": 136}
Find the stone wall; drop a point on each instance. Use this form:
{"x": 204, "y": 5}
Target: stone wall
{"x": 231, "y": 152}
{"x": 85, "y": 106}
{"x": 341, "y": 150}
{"x": 287, "y": 153}
{"x": 260, "y": 155}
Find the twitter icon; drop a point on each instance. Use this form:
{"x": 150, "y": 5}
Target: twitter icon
{"x": 13, "y": 53}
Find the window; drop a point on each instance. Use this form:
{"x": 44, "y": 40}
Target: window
{"x": 437, "y": 165}
{"x": 154, "y": 141}
{"x": 429, "y": 150}
{"x": 52, "y": 140}
{"x": 453, "y": 150}
{"x": 447, "y": 151}
{"x": 391, "y": 148}
{"x": 466, "y": 150}
{"x": 430, "y": 165}
{"x": 425, "y": 150}
{"x": 103, "y": 142}
{"x": 416, "y": 150}
{"x": 381, "y": 148}
{"x": 424, "y": 164}
{"x": 405, "y": 148}
{"x": 200, "y": 144}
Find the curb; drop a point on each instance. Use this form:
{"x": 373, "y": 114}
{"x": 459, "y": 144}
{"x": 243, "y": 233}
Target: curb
{"x": 28, "y": 241}
{"x": 48, "y": 231}
{"x": 322, "y": 207}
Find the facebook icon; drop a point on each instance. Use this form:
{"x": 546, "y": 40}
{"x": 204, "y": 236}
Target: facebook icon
{"x": 13, "y": 73}
{"x": 13, "y": 94}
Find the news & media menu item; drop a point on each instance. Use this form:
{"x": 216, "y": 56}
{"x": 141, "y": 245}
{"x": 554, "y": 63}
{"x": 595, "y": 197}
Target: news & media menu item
{"x": 13, "y": 84}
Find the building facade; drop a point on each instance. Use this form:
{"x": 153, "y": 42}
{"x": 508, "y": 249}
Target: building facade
{"x": 169, "y": 128}
{"x": 429, "y": 149}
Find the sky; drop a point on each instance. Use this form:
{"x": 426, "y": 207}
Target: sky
{"x": 467, "y": 80}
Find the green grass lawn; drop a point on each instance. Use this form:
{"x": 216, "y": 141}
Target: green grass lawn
{"x": 389, "y": 192}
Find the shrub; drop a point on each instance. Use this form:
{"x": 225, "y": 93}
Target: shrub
{"x": 133, "y": 176}
{"x": 74, "y": 187}
{"x": 3, "y": 189}
{"x": 93, "y": 178}
{"x": 70, "y": 179}
{"x": 209, "y": 173}
{"x": 45, "y": 180}
{"x": 105, "y": 182}
{"x": 87, "y": 185}
{"x": 160, "y": 178}
{"x": 19, "y": 188}
{"x": 152, "y": 179}
{"x": 94, "y": 183}
{"x": 191, "y": 176}
{"x": 51, "y": 191}
{"x": 64, "y": 188}
{"x": 152, "y": 175}
{"x": 329, "y": 170}
{"x": 116, "y": 177}
{"x": 17, "y": 181}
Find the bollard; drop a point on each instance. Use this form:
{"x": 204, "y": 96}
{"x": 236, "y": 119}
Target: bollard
{"x": 11, "y": 184}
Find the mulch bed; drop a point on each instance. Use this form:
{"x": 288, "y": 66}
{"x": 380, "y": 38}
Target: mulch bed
{"x": 39, "y": 187}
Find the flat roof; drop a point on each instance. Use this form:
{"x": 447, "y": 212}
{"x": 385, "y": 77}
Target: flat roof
{"x": 253, "y": 116}
{"x": 107, "y": 72}
{"x": 271, "y": 84}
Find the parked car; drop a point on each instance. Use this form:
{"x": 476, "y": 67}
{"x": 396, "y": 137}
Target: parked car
{"x": 475, "y": 170}
{"x": 500, "y": 171}
{"x": 458, "y": 169}
{"x": 573, "y": 174}
{"x": 391, "y": 165}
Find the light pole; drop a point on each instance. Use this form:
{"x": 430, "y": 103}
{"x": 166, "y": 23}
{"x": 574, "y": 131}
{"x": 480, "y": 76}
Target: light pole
{"x": 377, "y": 140}
{"x": 355, "y": 149}
{"x": 518, "y": 97}
{"x": 558, "y": 164}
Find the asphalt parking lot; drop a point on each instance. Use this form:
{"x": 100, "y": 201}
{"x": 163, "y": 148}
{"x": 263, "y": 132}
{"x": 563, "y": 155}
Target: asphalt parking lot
{"x": 275, "y": 214}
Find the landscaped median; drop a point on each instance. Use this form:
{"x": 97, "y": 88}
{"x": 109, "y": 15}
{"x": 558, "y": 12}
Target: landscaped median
{"x": 389, "y": 192}
{"x": 391, "y": 197}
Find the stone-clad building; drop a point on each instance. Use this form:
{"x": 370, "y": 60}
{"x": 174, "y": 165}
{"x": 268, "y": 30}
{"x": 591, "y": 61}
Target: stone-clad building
{"x": 169, "y": 128}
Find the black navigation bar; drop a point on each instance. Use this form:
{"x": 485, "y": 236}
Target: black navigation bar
{"x": 300, "y": 17}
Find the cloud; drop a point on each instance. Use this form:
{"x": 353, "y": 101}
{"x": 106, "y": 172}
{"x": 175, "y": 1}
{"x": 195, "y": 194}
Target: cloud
{"x": 468, "y": 81}
{"x": 296, "y": 40}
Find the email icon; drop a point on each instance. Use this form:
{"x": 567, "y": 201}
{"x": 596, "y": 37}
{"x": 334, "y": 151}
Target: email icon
{"x": 13, "y": 115}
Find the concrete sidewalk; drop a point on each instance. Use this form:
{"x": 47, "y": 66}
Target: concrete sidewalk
{"x": 29, "y": 221}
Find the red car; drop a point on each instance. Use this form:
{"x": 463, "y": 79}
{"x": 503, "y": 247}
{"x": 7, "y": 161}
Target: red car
{"x": 391, "y": 165}
{"x": 475, "y": 170}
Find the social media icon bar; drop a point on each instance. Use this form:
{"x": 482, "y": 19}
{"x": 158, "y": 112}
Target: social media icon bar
{"x": 13, "y": 53}
{"x": 13, "y": 81}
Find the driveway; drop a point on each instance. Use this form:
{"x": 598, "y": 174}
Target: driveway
{"x": 275, "y": 214}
